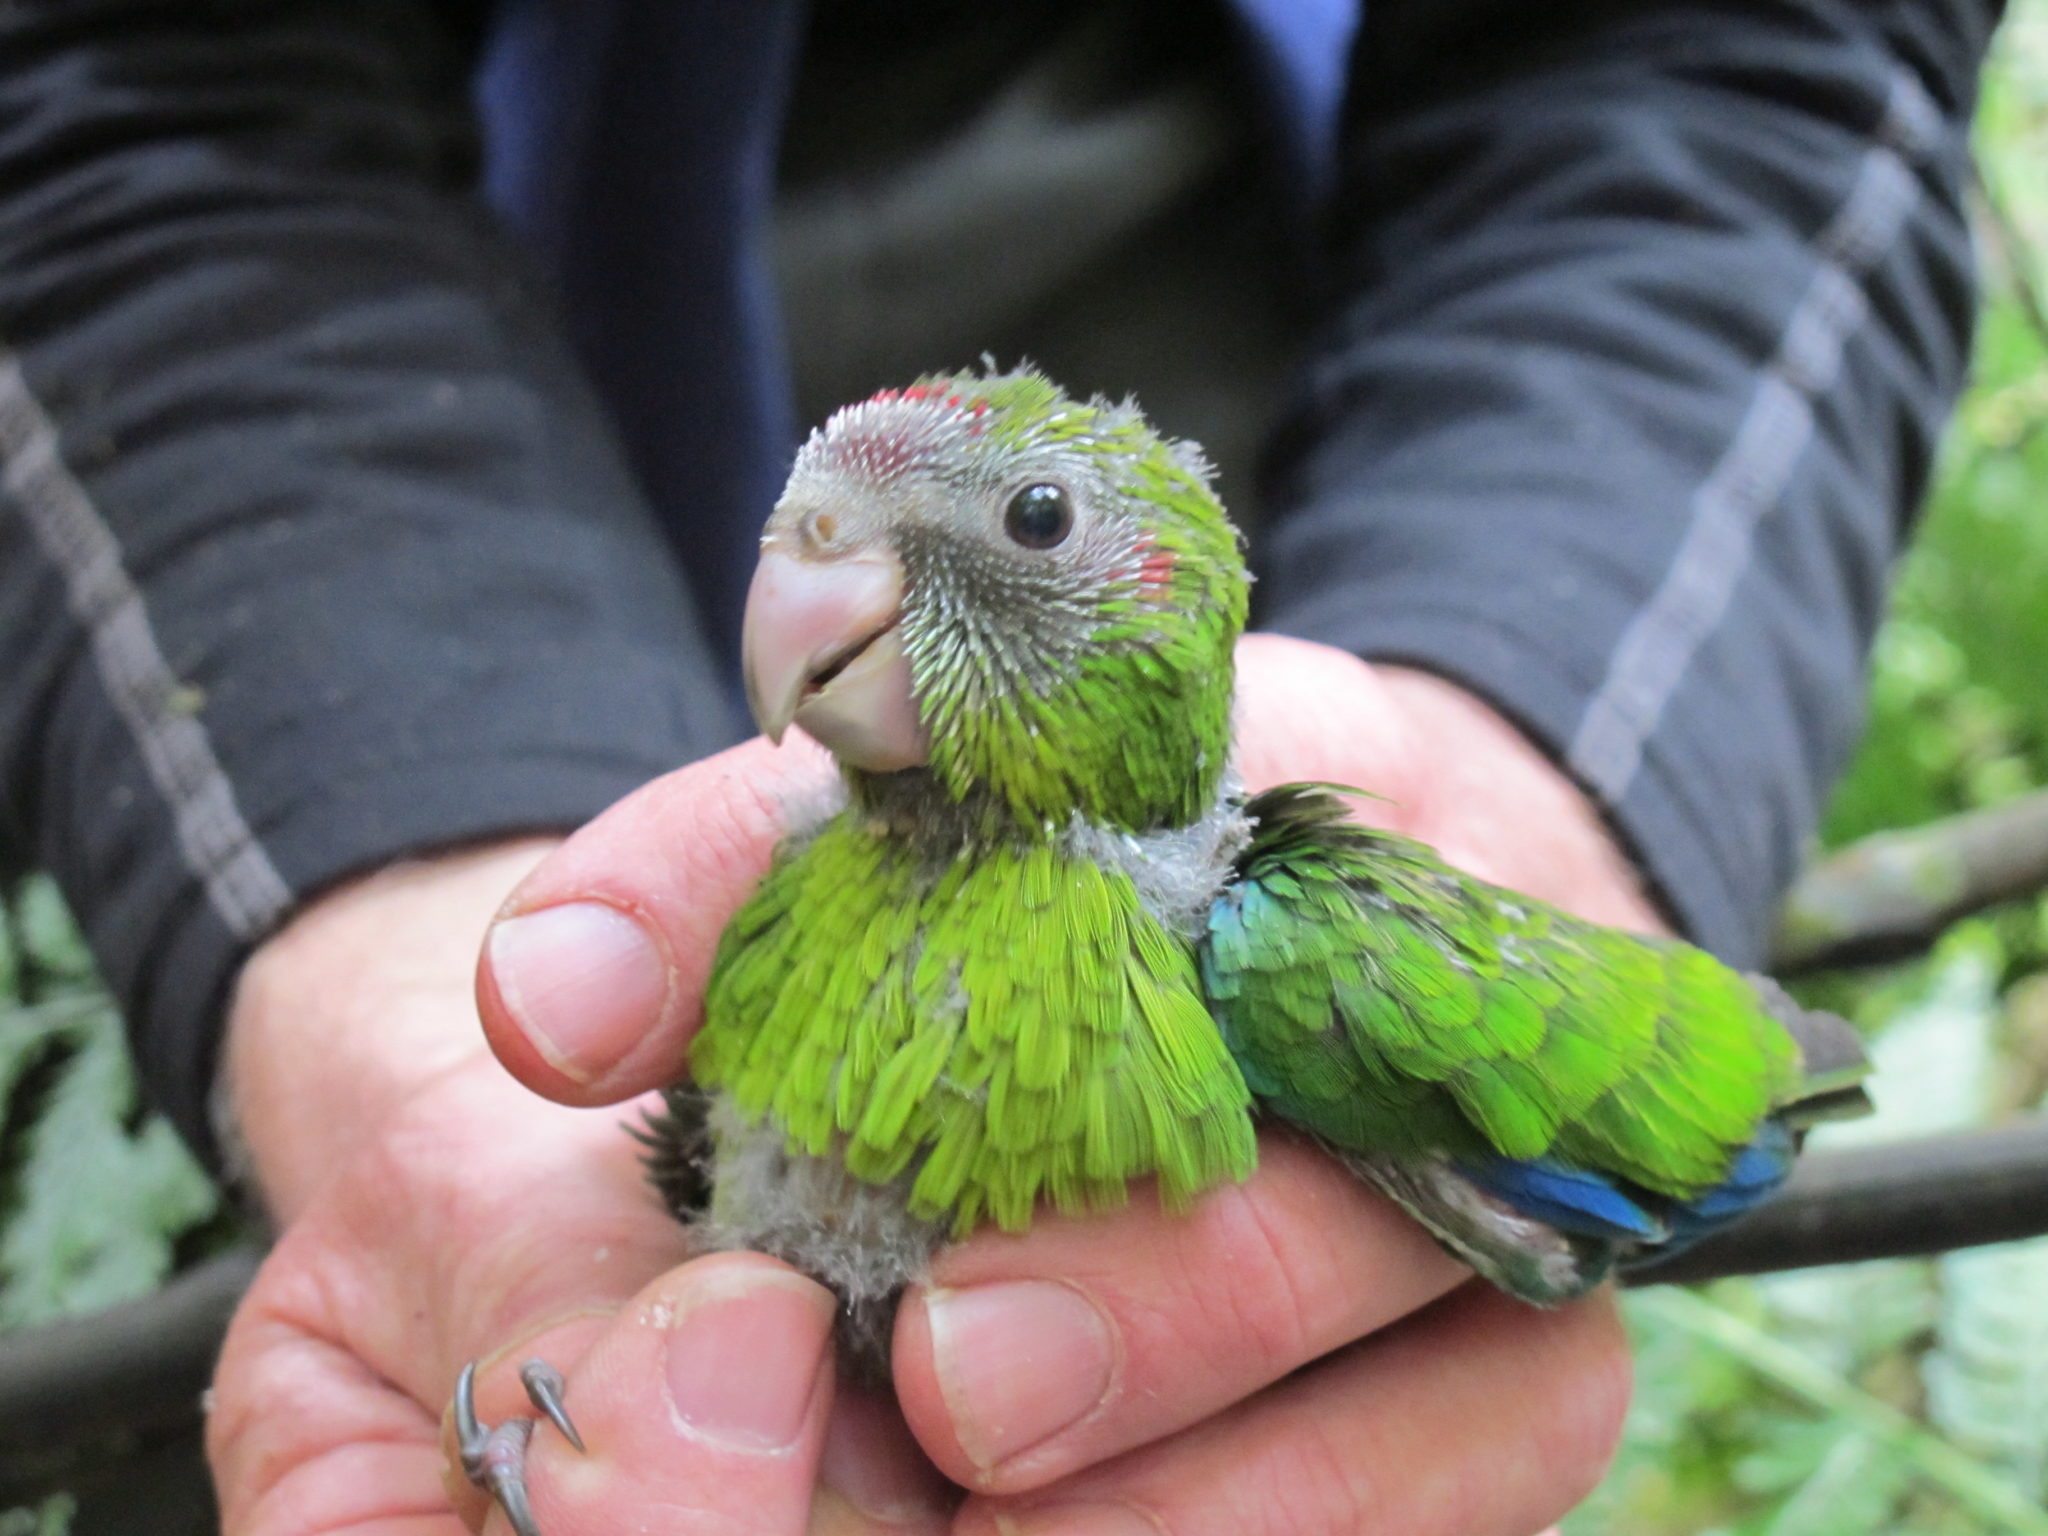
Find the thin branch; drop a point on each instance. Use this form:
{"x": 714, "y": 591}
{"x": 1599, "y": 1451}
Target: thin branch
{"x": 1893, "y": 893}
{"x": 138, "y": 1366}
{"x": 1924, "y": 1196}
{"x": 2015, "y": 254}
{"x": 143, "y": 1365}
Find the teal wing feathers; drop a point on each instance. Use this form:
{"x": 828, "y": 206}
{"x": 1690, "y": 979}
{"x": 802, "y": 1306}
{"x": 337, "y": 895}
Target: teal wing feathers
{"x": 1399, "y": 1009}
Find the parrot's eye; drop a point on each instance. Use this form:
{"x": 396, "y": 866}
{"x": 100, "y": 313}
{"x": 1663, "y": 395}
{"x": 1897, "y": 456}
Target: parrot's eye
{"x": 1039, "y": 516}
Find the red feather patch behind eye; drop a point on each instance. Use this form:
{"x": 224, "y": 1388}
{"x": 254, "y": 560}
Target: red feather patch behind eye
{"x": 1155, "y": 567}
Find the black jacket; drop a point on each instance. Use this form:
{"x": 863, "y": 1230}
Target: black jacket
{"x": 316, "y": 549}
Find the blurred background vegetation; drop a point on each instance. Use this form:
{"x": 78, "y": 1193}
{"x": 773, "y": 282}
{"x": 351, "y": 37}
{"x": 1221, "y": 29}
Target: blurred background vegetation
{"x": 1907, "y": 1397}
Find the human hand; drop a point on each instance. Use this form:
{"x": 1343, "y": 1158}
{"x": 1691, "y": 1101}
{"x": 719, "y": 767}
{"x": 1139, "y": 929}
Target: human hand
{"x": 434, "y": 1211}
{"x": 1287, "y": 1358}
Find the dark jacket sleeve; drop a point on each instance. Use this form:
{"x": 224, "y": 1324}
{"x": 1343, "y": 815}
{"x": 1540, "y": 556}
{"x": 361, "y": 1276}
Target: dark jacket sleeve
{"x": 1648, "y": 318}
{"x": 313, "y": 550}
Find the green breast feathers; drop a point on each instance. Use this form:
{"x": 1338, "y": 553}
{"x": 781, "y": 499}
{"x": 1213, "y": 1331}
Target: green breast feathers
{"x": 995, "y": 1030}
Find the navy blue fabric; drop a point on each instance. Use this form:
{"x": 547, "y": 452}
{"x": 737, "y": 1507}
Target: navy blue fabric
{"x": 632, "y": 143}
{"x": 1302, "y": 50}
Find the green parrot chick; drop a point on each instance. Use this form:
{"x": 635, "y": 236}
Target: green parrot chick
{"x": 1044, "y": 947}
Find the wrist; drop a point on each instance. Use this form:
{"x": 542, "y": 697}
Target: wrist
{"x": 1455, "y": 772}
{"x": 352, "y": 1008}
{"x": 1503, "y": 808}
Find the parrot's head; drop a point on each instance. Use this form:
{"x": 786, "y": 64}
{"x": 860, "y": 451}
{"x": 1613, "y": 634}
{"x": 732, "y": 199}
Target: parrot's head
{"x": 1031, "y": 598}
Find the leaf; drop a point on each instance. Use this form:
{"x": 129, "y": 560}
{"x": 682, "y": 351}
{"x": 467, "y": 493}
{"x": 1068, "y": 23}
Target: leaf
{"x": 27, "y": 1035}
{"x": 1987, "y": 1379}
{"x": 1935, "y": 1060}
{"x": 96, "y": 1208}
{"x": 1992, "y": 1498}
{"x": 1708, "y": 1446}
{"x": 93, "y": 1203}
{"x": 1855, "y": 1487}
{"x": 1848, "y": 1315}
{"x": 43, "y": 932}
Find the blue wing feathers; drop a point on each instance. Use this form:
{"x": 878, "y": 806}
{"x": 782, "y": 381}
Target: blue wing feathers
{"x": 1762, "y": 1166}
{"x": 1569, "y": 1199}
{"x": 1592, "y": 1205}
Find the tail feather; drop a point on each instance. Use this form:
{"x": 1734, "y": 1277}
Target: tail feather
{"x": 1831, "y": 1053}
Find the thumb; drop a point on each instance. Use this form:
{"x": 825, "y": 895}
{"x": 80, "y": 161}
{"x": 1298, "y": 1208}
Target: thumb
{"x": 702, "y": 1406}
{"x": 592, "y": 977}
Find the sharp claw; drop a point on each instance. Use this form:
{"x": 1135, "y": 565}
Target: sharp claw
{"x": 507, "y": 1484}
{"x": 544, "y": 1388}
{"x": 469, "y": 1433}
{"x": 495, "y": 1459}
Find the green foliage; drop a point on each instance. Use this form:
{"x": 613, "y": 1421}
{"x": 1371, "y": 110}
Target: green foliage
{"x": 93, "y": 1196}
{"x": 51, "y": 1517}
{"x": 1987, "y": 1378}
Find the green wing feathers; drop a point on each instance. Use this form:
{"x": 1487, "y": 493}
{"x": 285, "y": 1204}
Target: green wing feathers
{"x": 1394, "y": 1006}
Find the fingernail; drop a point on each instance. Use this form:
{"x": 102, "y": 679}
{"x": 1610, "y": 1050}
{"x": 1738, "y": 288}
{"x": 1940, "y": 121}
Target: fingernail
{"x": 1018, "y": 1362}
{"x": 871, "y": 1462}
{"x": 583, "y": 981}
{"x": 1079, "y": 1520}
{"x": 745, "y": 1346}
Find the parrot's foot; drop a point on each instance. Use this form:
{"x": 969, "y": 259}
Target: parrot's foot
{"x": 495, "y": 1459}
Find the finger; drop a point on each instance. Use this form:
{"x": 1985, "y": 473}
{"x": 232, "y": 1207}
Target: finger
{"x": 873, "y": 1477}
{"x": 1480, "y": 1417}
{"x": 1036, "y": 1355}
{"x": 591, "y": 980}
{"x": 1493, "y": 803}
{"x": 702, "y": 1407}
{"x": 346, "y": 1451}
{"x": 483, "y": 1218}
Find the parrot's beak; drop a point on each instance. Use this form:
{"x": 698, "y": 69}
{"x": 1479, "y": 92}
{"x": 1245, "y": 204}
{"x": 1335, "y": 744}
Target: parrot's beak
{"x": 822, "y": 646}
